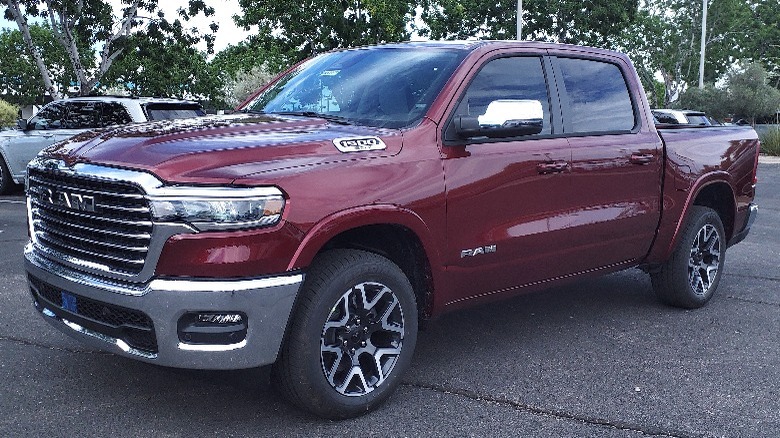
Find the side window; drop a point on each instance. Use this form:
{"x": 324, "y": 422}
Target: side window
{"x": 598, "y": 96}
{"x": 517, "y": 78}
{"x": 80, "y": 115}
{"x": 49, "y": 117}
{"x": 113, "y": 113}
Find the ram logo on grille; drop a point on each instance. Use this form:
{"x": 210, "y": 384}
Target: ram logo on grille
{"x": 74, "y": 201}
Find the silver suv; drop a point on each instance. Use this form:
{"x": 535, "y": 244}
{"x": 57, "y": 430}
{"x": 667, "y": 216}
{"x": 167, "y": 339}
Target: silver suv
{"x": 62, "y": 119}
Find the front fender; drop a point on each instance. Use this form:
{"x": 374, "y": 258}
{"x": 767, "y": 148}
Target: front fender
{"x": 345, "y": 220}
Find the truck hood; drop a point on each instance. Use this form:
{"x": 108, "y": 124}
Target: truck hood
{"x": 221, "y": 149}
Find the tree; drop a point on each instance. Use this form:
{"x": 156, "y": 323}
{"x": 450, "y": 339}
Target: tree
{"x": 80, "y": 25}
{"x": 19, "y": 81}
{"x": 297, "y": 29}
{"x": 764, "y": 42}
{"x": 566, "y": 21}
{"x": 711, "y": 100}
{"x": 242, "y": 84}
{"x": 163, "y": 60}
{"x": 749, "y": 94}
{"x": 666, "y": 38}
{"x": 8, "y": 114}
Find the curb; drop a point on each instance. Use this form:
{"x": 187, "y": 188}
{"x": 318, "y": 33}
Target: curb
{"x": 768, "y": 159}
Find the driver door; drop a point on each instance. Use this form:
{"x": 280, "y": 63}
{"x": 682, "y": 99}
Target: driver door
{"x": 506, "y": 197}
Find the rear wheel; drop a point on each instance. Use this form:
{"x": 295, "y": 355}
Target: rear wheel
{"x": 691, "y": 275}
{"x": 352, "y": 336}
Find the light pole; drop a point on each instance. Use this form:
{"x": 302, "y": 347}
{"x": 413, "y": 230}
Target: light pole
{"x": 703, "y": 38}
{"x": 519, "y": 20}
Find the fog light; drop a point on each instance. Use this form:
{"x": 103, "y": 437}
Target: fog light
{"x": 212, "y": 328}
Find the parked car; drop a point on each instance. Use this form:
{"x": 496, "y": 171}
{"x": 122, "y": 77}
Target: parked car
{"x": 683, "y": 117}
{"x": 62, "y": 119}
{"x": 364, "y": 190}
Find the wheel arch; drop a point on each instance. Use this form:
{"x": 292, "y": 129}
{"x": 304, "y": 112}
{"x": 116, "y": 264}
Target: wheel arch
{"x": 401, "y": 236}
{"x": 713, "y": 191}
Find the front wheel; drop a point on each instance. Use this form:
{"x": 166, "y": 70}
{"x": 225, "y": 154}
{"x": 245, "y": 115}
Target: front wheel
{"x": 691, "y": 275}
{"x": 6, "y": 183}
{"x": 352, "y": 335}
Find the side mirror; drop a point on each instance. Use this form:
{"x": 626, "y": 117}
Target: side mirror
{"x": 503, "y": 118}
{"x": 22, "y": 124}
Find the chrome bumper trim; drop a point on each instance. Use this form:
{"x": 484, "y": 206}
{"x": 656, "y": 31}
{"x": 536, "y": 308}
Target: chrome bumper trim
{"x": 267, "y": 303}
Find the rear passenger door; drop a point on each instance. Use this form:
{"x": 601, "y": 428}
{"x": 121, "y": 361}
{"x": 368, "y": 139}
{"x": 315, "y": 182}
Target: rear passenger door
{"x": 616, "y": 163}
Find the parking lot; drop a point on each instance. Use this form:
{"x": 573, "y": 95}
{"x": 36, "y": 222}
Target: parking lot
{"x": 599, "y": 358}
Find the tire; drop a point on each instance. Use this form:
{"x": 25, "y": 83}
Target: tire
{"x": 351, "y": 338}
{"x": 691, "y": 275}
{"x": 6, "y": 183}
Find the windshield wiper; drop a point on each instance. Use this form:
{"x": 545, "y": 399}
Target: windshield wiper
{"x": 329, "y": 117}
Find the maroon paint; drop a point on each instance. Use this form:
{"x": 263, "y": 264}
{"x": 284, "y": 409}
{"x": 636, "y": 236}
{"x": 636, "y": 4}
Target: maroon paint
{"x": 601, "y": 213}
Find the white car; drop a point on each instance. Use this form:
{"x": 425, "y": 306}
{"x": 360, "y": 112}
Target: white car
{"x": 683, "y": 117}
{"x": 65, "y": 118}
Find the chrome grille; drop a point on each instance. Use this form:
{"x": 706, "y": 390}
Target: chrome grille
{"x": 114, "y": 237}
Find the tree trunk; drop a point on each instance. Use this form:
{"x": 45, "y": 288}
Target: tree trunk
{"x": 24, "y": 28}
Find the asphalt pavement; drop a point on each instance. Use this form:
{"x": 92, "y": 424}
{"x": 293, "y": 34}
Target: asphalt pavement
{"x": 601, "y": 358}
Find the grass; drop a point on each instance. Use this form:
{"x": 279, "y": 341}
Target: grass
{"x": 770, "y": 142}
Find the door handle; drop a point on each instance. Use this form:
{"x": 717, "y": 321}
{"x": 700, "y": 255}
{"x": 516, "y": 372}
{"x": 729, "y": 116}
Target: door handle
{"x": 641, "y": 158}
{"x": 552, "y": 167}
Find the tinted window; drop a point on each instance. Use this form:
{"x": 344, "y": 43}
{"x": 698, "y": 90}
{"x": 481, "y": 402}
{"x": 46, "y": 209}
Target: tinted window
{"x": 49, "y": 117}
{"x": 113, "y": 113}
{"x": 519, "y": 78}
{"x": 698, "y": 120}
{"x": 598, "y": 96}
{"x": 80, "y": 115}
{"x": 163, "y": 111}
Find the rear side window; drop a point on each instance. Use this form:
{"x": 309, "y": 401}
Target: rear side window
{"x": 81, "y": 115}
{"x": 113, "y": 113}
{"x": 164, "y": 111}
{"x": 598, "y": 96}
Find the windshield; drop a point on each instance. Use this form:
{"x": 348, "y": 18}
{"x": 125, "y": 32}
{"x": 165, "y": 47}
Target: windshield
{"x": 380, "y": 87}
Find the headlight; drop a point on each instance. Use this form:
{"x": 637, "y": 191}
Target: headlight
{"x": 218, "y": 208}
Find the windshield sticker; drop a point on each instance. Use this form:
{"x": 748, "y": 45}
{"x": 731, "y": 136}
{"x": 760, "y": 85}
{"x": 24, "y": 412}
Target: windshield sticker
{"x": 359, "y": 144}
{"x": 330, "y": 73}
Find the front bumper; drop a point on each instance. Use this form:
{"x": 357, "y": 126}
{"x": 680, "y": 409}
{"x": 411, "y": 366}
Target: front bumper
{"x": 266, "y": 303}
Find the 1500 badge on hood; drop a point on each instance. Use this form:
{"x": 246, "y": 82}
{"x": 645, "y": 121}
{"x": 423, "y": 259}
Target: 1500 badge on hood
{"x": 359, "y": 144}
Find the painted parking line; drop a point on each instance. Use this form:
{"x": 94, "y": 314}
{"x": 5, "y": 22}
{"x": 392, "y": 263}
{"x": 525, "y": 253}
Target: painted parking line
{"x": 11, "y": 201}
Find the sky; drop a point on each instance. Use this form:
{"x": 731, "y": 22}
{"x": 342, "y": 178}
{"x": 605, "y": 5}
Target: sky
{"x": 223, "y": 15}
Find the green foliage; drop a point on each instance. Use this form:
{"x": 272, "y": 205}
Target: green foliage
{"x": 749, "y": 94}
{"x": 770, "y": 142}
{"x": 764, "y": 42}
{"x": 666, "y": 38}
{"x": 20, "y": 81}
{"x": 240, "y": 86}
{"x": 8, "y": 114}
{"x": 745, "y": 95}
{"x": 297, "y": 29}
{"x": 78, "y": 26}
{"x": 163, "y": 60}
{"x": 711, "y": 100}
{"x": 565, "y": 21}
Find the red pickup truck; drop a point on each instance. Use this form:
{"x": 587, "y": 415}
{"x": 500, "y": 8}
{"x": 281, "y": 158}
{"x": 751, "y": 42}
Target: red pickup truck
{"x": 365, "y": 190}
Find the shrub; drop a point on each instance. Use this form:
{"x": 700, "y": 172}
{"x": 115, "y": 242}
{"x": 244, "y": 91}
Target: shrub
{"x": 770, "y": 142}
{"x": 8, "y": 114}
